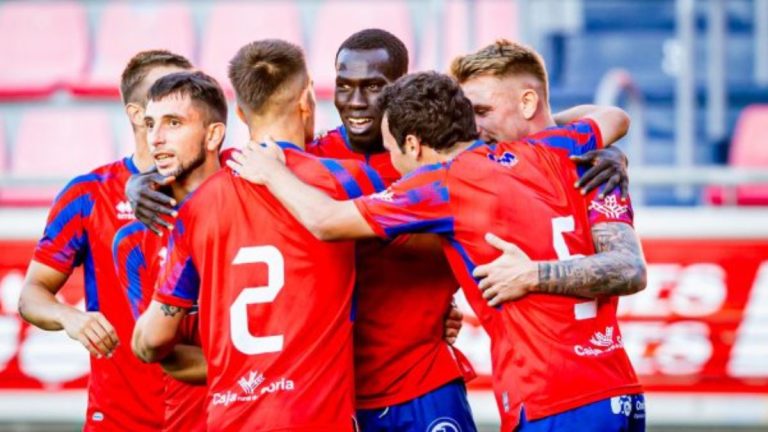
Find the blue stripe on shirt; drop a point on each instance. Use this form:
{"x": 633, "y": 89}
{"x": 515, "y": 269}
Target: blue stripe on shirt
{"x": 344, "y": 177}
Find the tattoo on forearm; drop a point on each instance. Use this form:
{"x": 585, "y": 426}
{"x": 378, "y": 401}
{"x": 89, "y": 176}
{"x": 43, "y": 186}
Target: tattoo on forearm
{"x": 618, "y": 268}
{"x": 170, "y": 310}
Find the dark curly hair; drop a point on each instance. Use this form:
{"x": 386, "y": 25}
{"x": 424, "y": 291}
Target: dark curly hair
{"x": 430, "y": 106}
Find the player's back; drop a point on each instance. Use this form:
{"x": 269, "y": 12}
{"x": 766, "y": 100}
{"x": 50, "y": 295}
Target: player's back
{"x": 275, "y": 303}
{"x": 555, "y": 352}
{"x": 403, "y": 291}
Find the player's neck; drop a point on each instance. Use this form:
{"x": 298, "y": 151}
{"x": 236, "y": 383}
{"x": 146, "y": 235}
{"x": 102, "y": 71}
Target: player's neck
{"x": 541, "y": 122}
{"x": 279, "y": 129}
{"x": 187, "y": 184}
{"x": 432, "y": 156}
{"x": 142, "y": 157}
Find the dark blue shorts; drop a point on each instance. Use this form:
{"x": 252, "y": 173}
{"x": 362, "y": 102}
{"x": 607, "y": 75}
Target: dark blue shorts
{"x": 616, "y": 414}
{"x": 444, "y": 409}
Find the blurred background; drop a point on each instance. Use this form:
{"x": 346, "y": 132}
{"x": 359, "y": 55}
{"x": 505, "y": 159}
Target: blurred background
{"x": 693, "y": 74}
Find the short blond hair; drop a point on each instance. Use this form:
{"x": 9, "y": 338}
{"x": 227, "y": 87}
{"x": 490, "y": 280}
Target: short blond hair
{"x": 502, "y": 58}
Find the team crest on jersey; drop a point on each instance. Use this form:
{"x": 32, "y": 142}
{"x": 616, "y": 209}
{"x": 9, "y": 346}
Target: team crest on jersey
{"x": 609, "y": 207}
{"x": 124, "y": 211}
{"x": 506, "y": 159}
{"x": 162, "y": 255}
{"x": 386, "y": 195}
{"x": 444, "y": 424}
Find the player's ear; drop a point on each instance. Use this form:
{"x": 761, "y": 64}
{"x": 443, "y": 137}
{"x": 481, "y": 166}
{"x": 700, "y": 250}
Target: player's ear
{"x": 215, "y": 136}
{"x": 412, "y": 146}
{"x": 307, "y": 100}
{"x": 529, "y": 103}
{"x": 240, "y": 114}
{"x": 135, "y": 114}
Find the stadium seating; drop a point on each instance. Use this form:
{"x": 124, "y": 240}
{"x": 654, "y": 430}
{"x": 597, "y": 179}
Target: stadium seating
{"x": 42, "y": 46}
{"x": 748, "y": 150}
{"x": 58, "y": 143}
{"x": 231, "y": 25}
{"x": 3, "y": 150}
{"x": 338, "y": 19}
{"x": 127, "y": 28}
{"x": 493, "y": 19}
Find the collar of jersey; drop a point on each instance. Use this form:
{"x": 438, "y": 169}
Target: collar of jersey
{"x": 128, "y": 162}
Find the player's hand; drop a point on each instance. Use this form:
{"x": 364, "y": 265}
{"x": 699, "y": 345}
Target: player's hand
{"x": 143, "y": 192}
{"x": 509, "y": 277}
{"x": 92, "y": 330}
{"x": 255, "y": 162}
{"x": 609, "y": 168}
{"x": 452, "y": 325}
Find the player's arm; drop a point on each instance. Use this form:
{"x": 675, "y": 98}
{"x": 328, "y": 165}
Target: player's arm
{"x": 613, "y": 122}
{"x": 326, "y": 218}
{"x": 39, "y": 306}
{"x": 608, "y": 165}
{"x": 186, "y": 363}
{"x": 617, "y": 268}
{"x": 155, "y": 334}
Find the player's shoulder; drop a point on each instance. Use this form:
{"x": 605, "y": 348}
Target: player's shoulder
{"x": 424, "y": 175}
{"x": 328, "y": 137}
{"x": 96, "y": 178}
{"x": 346, "y": 178}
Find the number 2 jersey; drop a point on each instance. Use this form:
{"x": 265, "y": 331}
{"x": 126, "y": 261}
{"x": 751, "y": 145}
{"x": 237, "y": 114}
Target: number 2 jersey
{"x": 404, "y": 288}
{"x": 123, "y": 392}
{"x": 549, "y": 353}
{"x": 275, "y": 303}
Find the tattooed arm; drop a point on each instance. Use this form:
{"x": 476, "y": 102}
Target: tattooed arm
{"x": 156, "y": 331}
{"x": 617, "y": 268}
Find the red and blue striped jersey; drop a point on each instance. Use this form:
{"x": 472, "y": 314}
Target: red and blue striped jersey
{"x": 123, "y": 392}
{"x": 138, "y": 254}
{"x": 403, "y": 291}
{"x": 549, "y": 353}
{"x": 275, "y": 303}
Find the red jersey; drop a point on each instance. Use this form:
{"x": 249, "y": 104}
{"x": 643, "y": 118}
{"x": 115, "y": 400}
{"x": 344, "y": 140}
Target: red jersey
{"x": 139, "y": 254}
{"x": 123, "y": 392}
{"x": 403, "y": 291}
{"x": 275, "y": 303}
{"x": 549, "y": 353}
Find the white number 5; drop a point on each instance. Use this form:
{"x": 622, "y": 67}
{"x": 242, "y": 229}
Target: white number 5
{"x": 560, "y": 226}
{"x": 242, "y": 339}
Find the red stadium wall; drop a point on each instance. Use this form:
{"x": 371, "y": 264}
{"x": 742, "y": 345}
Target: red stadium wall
{"x": 696, "y": 327}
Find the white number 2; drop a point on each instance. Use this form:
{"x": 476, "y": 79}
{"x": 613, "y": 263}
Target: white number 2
{"x": 560, "y": 226}
{"x": 242, "y": 338}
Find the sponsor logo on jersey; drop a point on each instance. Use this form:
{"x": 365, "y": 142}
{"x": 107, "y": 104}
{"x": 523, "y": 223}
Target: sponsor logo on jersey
{"x": 250, "y": 383}
{"x": 506, "y": 159}
{"x": 609, "y": 207}
{"x": 444, "y": 424}
{"x": 124, "y": 211}
{"x": 601, "y": 343}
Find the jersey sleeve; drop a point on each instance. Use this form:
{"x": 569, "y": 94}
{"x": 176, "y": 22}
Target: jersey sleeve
{"x": 353, "y": 178}
{"x": 609, "y": 209}
{"x": 577, "y": 138}
{"x": 179, "y": 280}
{"x": 64, "y": 242}
{"x": 131, "y": 266}
{"x": 418, "y": 203}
